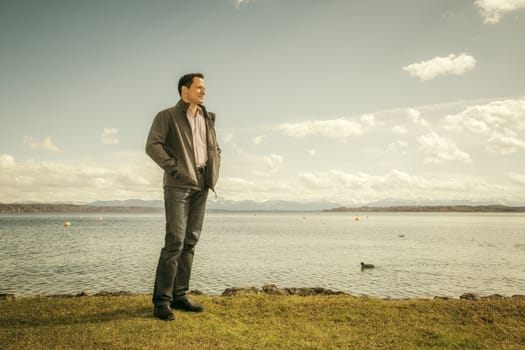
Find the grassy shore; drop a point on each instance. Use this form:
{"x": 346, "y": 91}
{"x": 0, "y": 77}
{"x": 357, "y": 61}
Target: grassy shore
{"x": 261, "y": 321}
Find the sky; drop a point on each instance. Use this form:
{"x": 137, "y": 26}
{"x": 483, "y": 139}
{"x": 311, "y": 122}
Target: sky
{"x": 352, "y": 102}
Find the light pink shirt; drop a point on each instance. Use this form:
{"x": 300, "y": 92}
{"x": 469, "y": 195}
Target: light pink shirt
{"x": 198, "y": 130}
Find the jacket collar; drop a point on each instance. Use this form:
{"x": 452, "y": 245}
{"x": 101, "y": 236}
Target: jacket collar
{"x": 183, "y": 105}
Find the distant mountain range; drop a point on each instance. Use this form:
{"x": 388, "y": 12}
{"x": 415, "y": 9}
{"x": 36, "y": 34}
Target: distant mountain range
{"x": 270, "y": 205}
{"x": 435, "y": 209}
{"x": 130, "y": 203}
{"x": 221, "y": 204}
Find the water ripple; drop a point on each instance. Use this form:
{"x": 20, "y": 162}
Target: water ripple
{"x": 437, "y": 255}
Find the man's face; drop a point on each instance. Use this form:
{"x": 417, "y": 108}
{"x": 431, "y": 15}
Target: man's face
{"x": 196, "y": 92}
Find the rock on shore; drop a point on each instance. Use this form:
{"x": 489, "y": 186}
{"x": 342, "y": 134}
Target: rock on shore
{"x": 270, "y": 289}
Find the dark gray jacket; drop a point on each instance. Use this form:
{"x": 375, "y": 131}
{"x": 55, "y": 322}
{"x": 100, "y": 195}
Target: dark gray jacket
{"x": 170, "y": 145}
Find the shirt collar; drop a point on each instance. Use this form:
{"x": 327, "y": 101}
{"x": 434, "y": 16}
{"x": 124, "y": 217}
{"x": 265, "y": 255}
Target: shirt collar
{"x": 198, "y": 112}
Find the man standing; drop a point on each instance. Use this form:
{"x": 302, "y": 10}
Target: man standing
{"x": 182, "y": 141}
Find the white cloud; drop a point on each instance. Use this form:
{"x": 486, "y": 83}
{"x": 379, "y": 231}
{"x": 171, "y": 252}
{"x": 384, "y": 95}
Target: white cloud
{"x": 362, "y": 188}
{"x": 237, "y": 182}
{"x": 452, "y": 64}
{"x": 239, "y": 150}
{"x": 227, "y": 138}
{"x": 7, "y": 161}
{"x": 138, "y": 177}
{"x": 259, "y": 164}
{"x": 413, "y": 114}
{"x": 239, "y": 3}
{"x": 505, "y": 143}
{"x": 335, "y": 128}
{"x": 377, "y": 150}
{"x": 53, "y": 181}
{"x": 398, "y": 146}
{"x": 45, "y": 145}
{"x": 415, "y": 117}
{"x": 517, "y": 178}
{"x": 336, "y": 178}
{"x": 236, "y": 188}
{"x": 501, "y": 122}
{"x": 399, "y": 129}
{"x": 439, "y": 149}
{"x": 273, "y": 162}
{"x": 109, "y": 136}
{"x": 368, "y": 119}
{"x": 493, "y": 10}
{"x": 257, "y": 140}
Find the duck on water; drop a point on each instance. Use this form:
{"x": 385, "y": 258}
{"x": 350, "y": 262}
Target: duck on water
{"x": 366, "y": 266}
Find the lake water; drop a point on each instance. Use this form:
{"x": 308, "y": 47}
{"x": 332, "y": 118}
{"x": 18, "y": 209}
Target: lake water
{"x": 439, "y": 254}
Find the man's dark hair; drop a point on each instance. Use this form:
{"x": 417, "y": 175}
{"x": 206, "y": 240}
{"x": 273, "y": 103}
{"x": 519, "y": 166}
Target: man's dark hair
{"x": 187, "y": 80}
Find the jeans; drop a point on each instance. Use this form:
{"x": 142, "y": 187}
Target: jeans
{"x": 184, "y": 218}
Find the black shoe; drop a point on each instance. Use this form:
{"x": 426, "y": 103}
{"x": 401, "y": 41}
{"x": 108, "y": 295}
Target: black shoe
{"x": 163, "y": 312}
{"x": 186, "y": 305}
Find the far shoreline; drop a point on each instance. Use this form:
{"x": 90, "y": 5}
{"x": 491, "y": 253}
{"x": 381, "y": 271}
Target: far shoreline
{"x": 15, "y": 208}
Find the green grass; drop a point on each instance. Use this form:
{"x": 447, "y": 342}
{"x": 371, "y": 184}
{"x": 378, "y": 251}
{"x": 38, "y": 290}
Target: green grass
{"x": 261, "y": 321}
